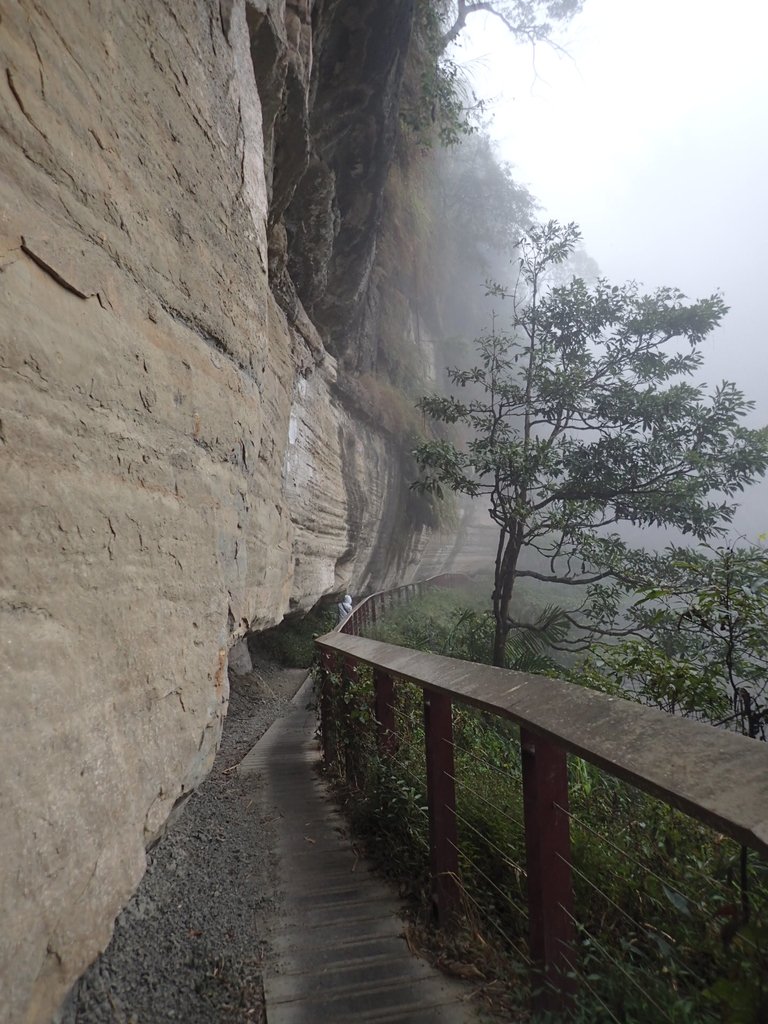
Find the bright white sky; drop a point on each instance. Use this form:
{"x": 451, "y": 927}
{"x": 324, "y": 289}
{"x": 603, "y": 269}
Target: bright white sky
{"x": 653, "y": 136}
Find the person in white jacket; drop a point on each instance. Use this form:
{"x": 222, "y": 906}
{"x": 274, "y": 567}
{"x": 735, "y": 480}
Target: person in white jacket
{"x": 345, "y": 607}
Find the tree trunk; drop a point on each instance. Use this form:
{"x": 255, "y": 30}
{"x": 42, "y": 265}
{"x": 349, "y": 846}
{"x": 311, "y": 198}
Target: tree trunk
{"x": 506, "y": 567}
{"x": 499, "y": 643}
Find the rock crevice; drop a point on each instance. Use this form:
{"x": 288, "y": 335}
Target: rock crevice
{"x": 189, "y": 197}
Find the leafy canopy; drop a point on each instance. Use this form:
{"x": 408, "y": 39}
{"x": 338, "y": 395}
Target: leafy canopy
{"x": 702, "y": 638}
{"x": 584, "y": 414}
{"x": 529, "y": 20}
{"x": 446, "y": 107}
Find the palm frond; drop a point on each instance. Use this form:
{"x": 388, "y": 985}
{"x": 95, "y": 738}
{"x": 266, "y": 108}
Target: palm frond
{"x": 528, "y": 644}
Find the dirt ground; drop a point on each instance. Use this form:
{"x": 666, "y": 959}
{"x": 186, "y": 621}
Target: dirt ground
{"x": 190, "y": 944}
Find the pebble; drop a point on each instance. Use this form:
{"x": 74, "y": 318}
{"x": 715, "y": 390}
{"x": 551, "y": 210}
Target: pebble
{"x": 191, "y": 943}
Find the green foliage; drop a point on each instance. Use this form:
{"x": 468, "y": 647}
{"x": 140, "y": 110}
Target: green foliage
{"x": 672, "y": 684}
{"x": 445, "y": 108}
{"x": 292, "y": 642}
{"x": 702, "y": 643}
{"x": 481, "y": 206}
{"x": 580, "y": 417}
{"x": 388, "y": 406}
{"x": 439, "y": 105}
{"x": 454, "y": 108}
{"x": 457, "y": 624}
{"x": 662, "y": 934}
{"x": 386, "y": 802}
{"x": 451, "y": 214}
{"x": 528, "y": 20}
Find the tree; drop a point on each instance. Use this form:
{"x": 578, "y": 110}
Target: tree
{"x": 529, "y": 20}
{"x": 580, "y": 418}
{"x": 445, "y": 107}
{"x": 702, "y": 647}
{"x": 481, "y": 204}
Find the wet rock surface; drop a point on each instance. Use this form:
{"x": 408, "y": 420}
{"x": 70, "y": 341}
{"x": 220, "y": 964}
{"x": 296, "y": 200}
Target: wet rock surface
{"x": 335, "y": 213}
{"x": 190, "y": 944}
{"x": 178, "y": 465}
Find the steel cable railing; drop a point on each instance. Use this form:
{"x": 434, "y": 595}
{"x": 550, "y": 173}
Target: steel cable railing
{"x": 520, "y": 792}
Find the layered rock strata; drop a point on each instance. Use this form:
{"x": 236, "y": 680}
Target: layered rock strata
{"x": 175, "y": 467}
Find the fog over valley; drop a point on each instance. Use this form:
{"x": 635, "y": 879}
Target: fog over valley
{"x": 645, "y": 124}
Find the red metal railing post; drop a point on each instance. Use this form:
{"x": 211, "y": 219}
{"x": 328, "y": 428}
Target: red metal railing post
{"x": 441, "y": 800}
{"x": 550, "y": 883}
{"x": 384, "y": 709}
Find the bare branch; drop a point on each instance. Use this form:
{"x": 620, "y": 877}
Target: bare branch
{"x": 570, "y": 581}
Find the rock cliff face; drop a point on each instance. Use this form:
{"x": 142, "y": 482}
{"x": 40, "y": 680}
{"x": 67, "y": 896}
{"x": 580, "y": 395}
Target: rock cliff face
{"x": 182, "y": 188}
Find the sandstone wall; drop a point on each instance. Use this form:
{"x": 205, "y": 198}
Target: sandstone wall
{"x": 175, "y": 467}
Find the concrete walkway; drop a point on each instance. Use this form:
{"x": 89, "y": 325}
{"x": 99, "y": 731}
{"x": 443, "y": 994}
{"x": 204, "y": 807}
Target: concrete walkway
{"x": 341, "y": 956}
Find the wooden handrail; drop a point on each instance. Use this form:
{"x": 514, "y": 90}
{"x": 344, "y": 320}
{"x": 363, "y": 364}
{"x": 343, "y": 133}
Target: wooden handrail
{"x": 713, "y": 775}
{"x": 369, "y": 604}
{"x": 719, "y": 777}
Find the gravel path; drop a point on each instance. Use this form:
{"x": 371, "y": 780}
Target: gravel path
{"x": 189, "y": 946}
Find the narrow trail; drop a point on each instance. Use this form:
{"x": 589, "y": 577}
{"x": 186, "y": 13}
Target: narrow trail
{"x": 337, "y": 950}
{"x": 256, "y": 907}
{"x": 190, "y": 945}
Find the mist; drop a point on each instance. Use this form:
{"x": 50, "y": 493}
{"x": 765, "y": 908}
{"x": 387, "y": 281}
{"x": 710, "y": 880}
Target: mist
{"x": 646, "y": 126}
